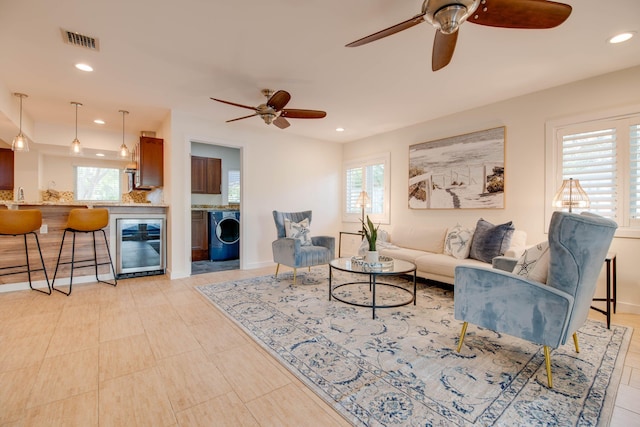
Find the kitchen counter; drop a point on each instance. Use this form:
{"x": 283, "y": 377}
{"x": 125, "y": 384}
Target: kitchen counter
{"x": 14, "y": 205}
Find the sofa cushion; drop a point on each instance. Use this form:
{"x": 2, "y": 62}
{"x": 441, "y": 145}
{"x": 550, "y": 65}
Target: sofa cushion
{"x": 402, "y": 253}
{"x": 457, "y": 242}
{"x": 534, "y": 263}
{"x": 444, "y": 265}
{"x": 490, "y": 240}
{"x": 429, "y": 239}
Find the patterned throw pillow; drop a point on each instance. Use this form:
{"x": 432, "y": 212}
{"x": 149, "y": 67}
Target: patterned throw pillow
{"x": 534, "y": 263}
{"x": 298, "y": 230}
{"x": 490, "y": 241}
{"x": 457, "y": 243}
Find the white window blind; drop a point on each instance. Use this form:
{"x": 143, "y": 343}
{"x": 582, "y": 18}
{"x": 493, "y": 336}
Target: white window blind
{"x": 602, "y": 151}
{"x": 233, "y": 186}
{"x": 373, "y": 176}
{"x": 591, "y": 158}
{"x": 634, "y": 172}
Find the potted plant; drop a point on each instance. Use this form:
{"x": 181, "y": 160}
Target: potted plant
{"x": 371, "y": 234}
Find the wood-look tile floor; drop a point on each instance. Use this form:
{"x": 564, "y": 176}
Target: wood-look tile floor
{"x": 152, "y": 351}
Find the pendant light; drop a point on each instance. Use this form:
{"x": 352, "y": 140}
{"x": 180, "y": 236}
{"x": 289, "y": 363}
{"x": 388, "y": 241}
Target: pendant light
{"x": 76, "y": 149}
{"x": 124, "y": 151}
{"x": 20, "y": 142}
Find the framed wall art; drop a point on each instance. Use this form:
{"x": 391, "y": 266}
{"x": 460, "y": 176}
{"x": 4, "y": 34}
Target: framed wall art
{"x": 460, "y": 172}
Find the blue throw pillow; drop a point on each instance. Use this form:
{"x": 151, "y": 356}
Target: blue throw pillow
{"x": 490, "y": 241}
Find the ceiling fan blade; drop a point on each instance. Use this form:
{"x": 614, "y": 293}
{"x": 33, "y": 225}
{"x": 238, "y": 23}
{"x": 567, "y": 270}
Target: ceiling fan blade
{"x": 527, "y": 14}
{"x": 303, "y": 114}
{"x": 278, "y": 100}
{"x": 240, "y": 118}
{"x": 389, "y": 31}
{"x": 443, "y": 48}
{"x": 233, "y": 103}
{"x": 281, "y": 122}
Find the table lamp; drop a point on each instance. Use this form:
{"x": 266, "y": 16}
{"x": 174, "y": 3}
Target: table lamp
{"x": 571, "y": 195}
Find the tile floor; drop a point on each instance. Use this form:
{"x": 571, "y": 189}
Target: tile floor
{"x": 152, "y": 351}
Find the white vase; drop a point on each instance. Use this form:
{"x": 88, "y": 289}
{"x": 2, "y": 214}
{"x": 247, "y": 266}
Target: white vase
{"x": 372, "y": 256}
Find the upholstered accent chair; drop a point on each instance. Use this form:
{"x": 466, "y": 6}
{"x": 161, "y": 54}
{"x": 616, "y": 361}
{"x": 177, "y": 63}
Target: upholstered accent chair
{"x": 303, "y": 251}
{"x": 546, "y": 314}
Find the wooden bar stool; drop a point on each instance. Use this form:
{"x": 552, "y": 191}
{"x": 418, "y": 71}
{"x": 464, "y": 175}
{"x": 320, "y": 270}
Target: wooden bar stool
{"x": 85, "y": 221}
{"x": 21, "y": 223}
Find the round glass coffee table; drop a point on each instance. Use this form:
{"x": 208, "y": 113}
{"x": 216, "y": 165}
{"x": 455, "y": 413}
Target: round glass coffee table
{"x": 397, "y": 268}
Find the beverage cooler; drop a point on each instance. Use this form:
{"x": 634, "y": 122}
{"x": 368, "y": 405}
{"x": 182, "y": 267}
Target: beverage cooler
{"x": 140, "y": 245}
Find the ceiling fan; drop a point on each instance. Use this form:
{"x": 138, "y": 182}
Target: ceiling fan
{"x": 447, "y": 15}
{"x": 273, "y": 110}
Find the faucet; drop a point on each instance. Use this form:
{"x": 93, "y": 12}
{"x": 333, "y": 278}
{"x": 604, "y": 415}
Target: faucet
{"x": 20, "y": 194}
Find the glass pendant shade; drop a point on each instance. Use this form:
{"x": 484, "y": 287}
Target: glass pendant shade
{"x": 76, "y": 148}
{"x": 571, "y": 195}
{"x": 124, "y": 151}
{"x": 20, "y": 142}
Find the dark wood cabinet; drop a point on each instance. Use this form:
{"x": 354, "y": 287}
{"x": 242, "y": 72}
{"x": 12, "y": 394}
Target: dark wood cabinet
{"x": 149, "y": 158}
{"x": 206, "y": 175}
{"x": 6, "y": 169}
{"x": 199, "y": 235}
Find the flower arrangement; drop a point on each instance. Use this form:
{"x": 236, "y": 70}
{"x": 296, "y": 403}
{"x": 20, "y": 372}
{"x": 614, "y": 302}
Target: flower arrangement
{"x": 370, "y": 232}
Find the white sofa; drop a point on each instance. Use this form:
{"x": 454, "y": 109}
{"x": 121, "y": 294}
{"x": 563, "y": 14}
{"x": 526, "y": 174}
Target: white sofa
{"x": 424, "y": 246}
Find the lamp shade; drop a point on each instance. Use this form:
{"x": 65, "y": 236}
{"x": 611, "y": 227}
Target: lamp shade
{"x": 363, "y": 200}
{"x": 571, "y": 195}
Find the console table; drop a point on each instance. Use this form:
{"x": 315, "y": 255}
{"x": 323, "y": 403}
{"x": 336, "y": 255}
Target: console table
{"x": 612, "y": 272}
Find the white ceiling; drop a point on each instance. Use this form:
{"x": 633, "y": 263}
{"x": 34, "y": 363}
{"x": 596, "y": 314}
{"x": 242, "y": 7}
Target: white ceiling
{"x": 156, "y": 56}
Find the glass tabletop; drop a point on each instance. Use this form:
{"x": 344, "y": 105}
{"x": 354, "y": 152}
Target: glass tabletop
{"x": 355, "y": 265}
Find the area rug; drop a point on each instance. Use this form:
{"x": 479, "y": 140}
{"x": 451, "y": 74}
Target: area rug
{"x": 402, "y": 368}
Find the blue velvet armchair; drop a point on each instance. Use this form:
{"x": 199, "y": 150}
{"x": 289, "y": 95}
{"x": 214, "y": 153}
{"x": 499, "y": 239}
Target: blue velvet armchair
{"x": 546, "y": 314}
{"x": 292, "y": 253}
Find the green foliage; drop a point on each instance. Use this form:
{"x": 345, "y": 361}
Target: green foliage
{"x": 371, "y": 233}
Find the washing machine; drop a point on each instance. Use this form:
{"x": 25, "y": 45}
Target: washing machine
{"x": 224, "y": 235}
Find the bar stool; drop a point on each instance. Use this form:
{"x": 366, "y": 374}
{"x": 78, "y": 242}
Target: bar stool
{"x": 21, "y": 223}
{"x": 85, "y": 221}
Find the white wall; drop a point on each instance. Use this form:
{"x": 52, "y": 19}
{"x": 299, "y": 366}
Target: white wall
{"x": 524, "y": 118}
{"x": 279, "y": 171}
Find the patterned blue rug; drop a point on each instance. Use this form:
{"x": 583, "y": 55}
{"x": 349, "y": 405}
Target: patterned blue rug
{"x": 402, "y": 369}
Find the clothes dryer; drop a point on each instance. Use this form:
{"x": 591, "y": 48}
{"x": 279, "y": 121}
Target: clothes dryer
{"x": 224, "y": 235}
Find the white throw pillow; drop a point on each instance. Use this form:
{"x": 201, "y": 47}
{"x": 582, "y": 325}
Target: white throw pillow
{"x": 298, "y": 230}
{"x": 457, "y": 242}
{"x": 534, "y": 263}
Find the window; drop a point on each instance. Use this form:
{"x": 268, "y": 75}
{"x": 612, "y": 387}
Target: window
{"x": 372, "y": 175}
{"x": 603, "y": 152}
{"x": 233, "y": 188}
{"x": 96, "y": 183}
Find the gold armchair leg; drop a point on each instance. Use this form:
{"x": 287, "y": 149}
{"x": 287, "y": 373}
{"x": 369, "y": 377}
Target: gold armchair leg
{"x": 547, "y": 362}
{"x": 575, "y": 342}
{"x": 464, "y": 331}
{"x": 294, "y": 276}
{"x": 277, "y": 268}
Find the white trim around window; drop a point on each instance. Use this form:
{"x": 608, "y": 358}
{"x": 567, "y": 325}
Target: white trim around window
{"x": 372, "y": 174}
{"x": 618, "y": 130}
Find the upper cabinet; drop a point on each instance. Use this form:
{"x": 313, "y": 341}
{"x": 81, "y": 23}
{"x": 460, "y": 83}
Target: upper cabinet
{"x": 6, "y": 169}
{"x": 149, "y": 158}
{"x": 206, "y": 175}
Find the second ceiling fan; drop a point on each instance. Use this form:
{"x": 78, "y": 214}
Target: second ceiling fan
{"x": 447, "y": 15}
{"x": 273, "y": 110}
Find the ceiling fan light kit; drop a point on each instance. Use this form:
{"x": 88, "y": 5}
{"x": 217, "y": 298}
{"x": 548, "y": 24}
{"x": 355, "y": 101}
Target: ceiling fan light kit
{"x": 446, "y": 16}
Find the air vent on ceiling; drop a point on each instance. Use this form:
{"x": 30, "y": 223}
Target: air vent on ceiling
{"x": 77, "y": 39}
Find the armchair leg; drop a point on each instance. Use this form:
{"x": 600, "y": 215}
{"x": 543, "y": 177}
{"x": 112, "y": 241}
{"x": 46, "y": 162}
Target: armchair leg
{"x": 547, "y": 362}
{"x": 294, "y": 276}
{"x": 575, "y": 342}
{"x": 277, "y": 268}
{"x": 464, "y": 331}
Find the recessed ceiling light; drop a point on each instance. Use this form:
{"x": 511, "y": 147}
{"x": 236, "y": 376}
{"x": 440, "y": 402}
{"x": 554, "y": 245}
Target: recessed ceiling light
{"x": 100, "y": 154}
{"x": 99, "y": 121}
{"x": 84, "y": 67}
{"x": 339, "y": 129}
{"x": 622, "y": 37}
